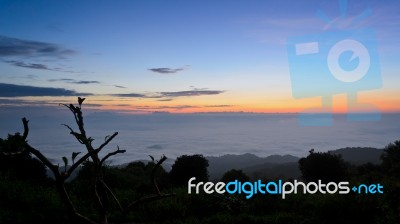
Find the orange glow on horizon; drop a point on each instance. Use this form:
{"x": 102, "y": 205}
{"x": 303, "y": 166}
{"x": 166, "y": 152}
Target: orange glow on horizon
{"x": 339, "y": 105}
{"x": 385, "y": 101}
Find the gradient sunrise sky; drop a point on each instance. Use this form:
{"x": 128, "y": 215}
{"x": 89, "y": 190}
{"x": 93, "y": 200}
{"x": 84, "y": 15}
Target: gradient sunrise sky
{"x": 177, "y": 56}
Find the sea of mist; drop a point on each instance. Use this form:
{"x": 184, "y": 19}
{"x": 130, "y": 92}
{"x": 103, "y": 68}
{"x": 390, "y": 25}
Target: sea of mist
{"x": 210, "y": 134}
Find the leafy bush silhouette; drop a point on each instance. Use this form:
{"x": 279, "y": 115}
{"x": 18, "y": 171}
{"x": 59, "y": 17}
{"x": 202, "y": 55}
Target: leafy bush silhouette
{"x": 323, "y": 166}
{"x": 391, "y": 159}
{"x": 20, "y": 166}
{"x": 188, "y": 166}
{"x": 233, "y": 175}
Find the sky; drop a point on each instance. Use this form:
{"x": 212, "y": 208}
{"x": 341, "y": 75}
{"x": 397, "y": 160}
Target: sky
{"x": 191, "y": 56}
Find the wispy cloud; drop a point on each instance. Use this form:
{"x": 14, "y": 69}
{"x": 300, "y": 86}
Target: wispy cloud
{"x": 36, "y": 66}
{"x": 73, "y": 81}
{"x": 21, "y": 102}
{"x": 63, "y": 80}
{"x": 121, "y": 87}
{"x": 218, "y": 106}
{"x": 86, "y": 82}
{"x": 17, "y": 47}
{"x": 133, "y": 95}
{"x": 12, "y": 90}
{"x": 29, "y": 65}
{"x": 177, "y": 107}
{"x": 168, "y": 96}
{"x": 191, "y": 93}
{"x": 165, "y": 100}
{"x": 167, "y": 70}
{"x": 123, "y": 105}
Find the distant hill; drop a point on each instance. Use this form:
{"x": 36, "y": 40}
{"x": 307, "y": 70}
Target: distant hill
{"x": 219, "y": 165}
{"x": 275, "y": 166}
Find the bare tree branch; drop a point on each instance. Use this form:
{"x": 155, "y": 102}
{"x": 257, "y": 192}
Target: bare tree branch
{"x": 44, "y": 160}
{"x": 72, "y": 109}
{"x": 153, "y": 172}
{"x": 107, "y": 141}
{"x": 98, "y": 196}
{"x": 113, "y": 195}
{"x": 81, "y": 160}
{"x": 72, "y": 131}
{"x": 26, "y": 128}
{"x": 60, "y": 178}
{"x": 78, "y": 136}
{"x": 111, "y": 154}
{"x": 150, "y": 198}
{"x": 100, "y": 189}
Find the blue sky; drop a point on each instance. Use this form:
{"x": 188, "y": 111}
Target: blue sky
{"x": 176, "y": 56}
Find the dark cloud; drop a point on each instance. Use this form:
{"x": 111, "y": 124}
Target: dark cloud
{"x": 121, "y": 87}
{"x": 134, "y": 95}
{"x": 73, "y": 81}
{"x": 191, "y": 93}
{"x": 16, "y": 47}
{"x": 11, "y": 90}
{"x": 167, "y": 70}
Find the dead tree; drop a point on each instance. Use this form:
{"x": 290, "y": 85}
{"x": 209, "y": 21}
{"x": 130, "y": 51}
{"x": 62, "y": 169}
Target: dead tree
{"x": 103, "y": 194}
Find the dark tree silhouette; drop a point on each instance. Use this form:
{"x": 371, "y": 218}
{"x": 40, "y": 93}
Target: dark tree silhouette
{"x": 233, "y": 174}
{"x": 103, "y": 195}
{"x": 188, "y": 166}
{"x": 391, "y": 159}
{"x": 391, "y": 172}
{"x": 21, "y": 166}
{"x": 323, "y": 166}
